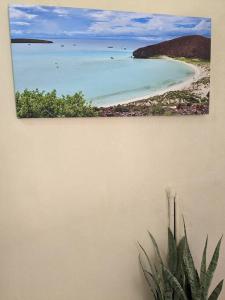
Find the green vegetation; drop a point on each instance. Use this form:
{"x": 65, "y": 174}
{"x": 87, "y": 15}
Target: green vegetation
{"x": 184, "y": 96}
{"x": 36, "y": 104}
{"x": 157, "y": 109}
{"x": 204, "y": 80}
{"x": 193, "y": 60}
{"x": 178, "y": 279}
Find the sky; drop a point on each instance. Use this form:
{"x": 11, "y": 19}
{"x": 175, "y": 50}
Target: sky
{"x": 50, "y": 22}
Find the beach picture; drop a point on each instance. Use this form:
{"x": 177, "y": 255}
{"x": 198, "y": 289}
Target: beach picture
{"x": 78, "y": 62}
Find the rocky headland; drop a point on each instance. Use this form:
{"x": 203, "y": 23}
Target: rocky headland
{"x": 193, "y": 46}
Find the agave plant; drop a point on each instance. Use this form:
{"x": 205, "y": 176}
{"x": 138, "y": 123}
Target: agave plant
{"x": 178, "y": 278}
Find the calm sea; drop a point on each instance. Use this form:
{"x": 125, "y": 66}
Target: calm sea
{"x": 103, "y": 70}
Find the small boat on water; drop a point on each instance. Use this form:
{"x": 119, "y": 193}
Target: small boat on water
{"x": 112, "y": 57}
{"x": 62, "y": 46}
{"x": 110, "y": 46}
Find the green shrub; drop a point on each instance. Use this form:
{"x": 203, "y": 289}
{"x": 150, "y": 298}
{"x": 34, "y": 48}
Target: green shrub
{"x": 36, "y": 104}
{"x": 157, "y": 109}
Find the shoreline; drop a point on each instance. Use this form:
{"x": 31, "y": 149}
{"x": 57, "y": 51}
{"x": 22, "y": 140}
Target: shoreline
{"x": 198, "y": 73}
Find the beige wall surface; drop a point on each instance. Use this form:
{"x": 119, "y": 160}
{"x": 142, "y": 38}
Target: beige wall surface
{"x": 76, "y": 194}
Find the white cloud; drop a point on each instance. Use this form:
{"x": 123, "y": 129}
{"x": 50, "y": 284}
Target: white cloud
{"x": 35, "y": 7}
{"x": 127, "y": 23}
{"x": 106, "y": 23}
{"x": 70, "y": 33}
{"x": 17, "y": 31}
{"x": 106, "y": 15}
{"x": 109, "y": 23}
{"x": 16, "y": 13}
{"x": 73, "y": 33}
{"x": 39, "y": 8}
{"x": 20, "y": 23}
{"x": 148, "y": 38}
{"x": 203, "y": 25}
{"x": 61, "y": 12}
{"x": 49, "y": 28}
{"x": 113, "y": 23}
{"x": 103, "y": 15}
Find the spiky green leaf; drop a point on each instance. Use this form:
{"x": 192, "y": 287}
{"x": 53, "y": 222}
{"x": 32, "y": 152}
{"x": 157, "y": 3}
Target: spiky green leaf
{"x": 180, "y": 257}
{"x": 203, "y": 263}
{"x": 158, "y": 288}
{"x": 156, "y": 247}
{"x": 212, "y": 267}
{"x": 191, "y": 272}
{"x": 175, "y": 284}
{"x": 216, "y": 292}
{"x": 147, "y": 258}
{"x": 153, "y": 274}
{"x": 150, "y": 284}
{"x": 172, "y": 253}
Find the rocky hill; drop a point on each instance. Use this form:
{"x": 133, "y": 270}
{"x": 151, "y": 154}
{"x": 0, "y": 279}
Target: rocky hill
{"x": 192, "y": 46}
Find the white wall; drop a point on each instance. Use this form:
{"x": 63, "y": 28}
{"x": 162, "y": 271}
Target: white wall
{"x": 76, "y": 194}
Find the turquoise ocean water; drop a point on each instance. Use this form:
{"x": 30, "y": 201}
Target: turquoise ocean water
{"x": 102, "y": 69}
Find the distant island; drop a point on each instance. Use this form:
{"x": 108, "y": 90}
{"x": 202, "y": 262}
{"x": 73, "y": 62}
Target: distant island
{"x": 30, "y": 41}
{"x": 192, "y": 46}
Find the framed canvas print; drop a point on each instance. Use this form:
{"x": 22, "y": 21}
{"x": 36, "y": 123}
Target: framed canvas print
{"x": 74, "y": 62}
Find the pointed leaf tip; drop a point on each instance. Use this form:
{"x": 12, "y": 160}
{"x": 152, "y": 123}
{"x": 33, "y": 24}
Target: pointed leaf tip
{"x": 216, "y": 292}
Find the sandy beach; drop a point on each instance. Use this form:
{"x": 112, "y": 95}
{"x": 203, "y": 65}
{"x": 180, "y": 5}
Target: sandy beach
{"x": 198, "y": 74}
{"x": 188, "y": 97}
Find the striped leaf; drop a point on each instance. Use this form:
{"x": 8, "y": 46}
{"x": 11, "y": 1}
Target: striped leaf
{"x": 203, "y": 270}
{"x": 191, "y": 272}
{"x": 156, "y": 247}
{"x": 147, "y": 257}
{"x": 168, "y": 293}
{"x": 175, "y": 284}
{"x": 203, "y": 263}
{"x": 215, "y": 294}
{"x": 153, "y": 274}
{"x": 180, "y": 256}
{"x": 172, "y": 253}
{"x": 158, "y": 288}
{"x": 150, "y": 284}
{"x": 212, "y": 268}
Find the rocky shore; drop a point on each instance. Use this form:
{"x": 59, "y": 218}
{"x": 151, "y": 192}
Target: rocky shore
{"x": 188, "y": 100}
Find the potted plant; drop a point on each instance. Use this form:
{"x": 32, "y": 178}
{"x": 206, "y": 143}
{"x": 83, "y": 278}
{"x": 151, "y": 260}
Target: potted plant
{"x": 178, "y": 278}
